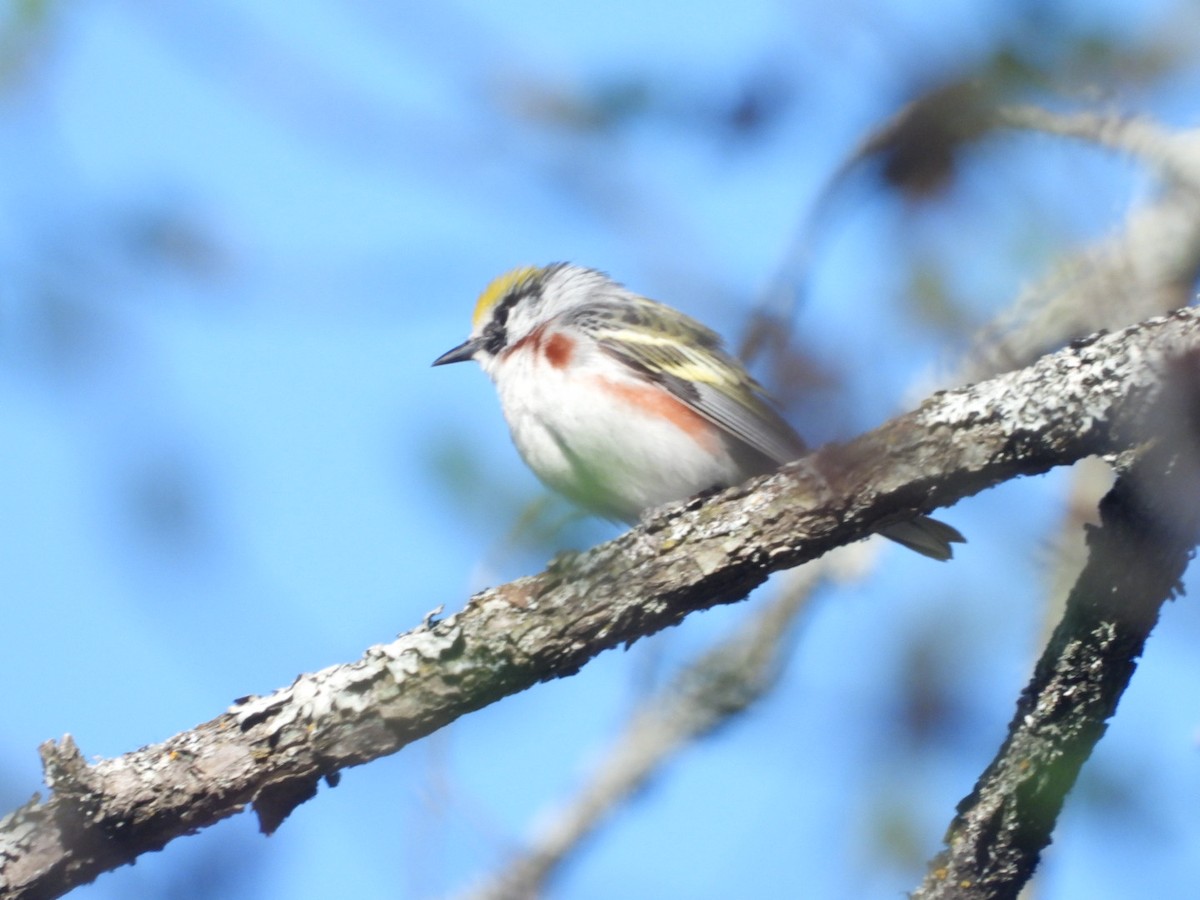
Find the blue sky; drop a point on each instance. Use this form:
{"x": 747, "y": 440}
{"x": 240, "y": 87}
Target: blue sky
{"x": 233, "y": 239}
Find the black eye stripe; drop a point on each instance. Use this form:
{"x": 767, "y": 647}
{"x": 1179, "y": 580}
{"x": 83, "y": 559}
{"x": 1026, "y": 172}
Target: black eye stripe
{"x": 500, "y": 314}
{"x": 495, "y": 333}
{"x": 495, "y": 336}
{"x": 530, "y": 292}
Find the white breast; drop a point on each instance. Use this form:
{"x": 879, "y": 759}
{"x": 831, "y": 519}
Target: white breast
{"x": 601, "y": 435}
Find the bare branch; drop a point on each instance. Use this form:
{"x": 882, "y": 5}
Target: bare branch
{"x": 1149, "y": 528}
{"x": 272, "y": 751}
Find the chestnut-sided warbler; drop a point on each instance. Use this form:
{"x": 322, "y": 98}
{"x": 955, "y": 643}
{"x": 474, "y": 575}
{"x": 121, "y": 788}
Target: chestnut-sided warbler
{"x": 623, "y": 404}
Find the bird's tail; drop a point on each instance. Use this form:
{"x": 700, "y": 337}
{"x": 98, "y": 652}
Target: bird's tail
{"x": 926, "y": 536}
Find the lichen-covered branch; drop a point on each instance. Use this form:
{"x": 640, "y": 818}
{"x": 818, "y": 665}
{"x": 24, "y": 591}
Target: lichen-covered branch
{"x": 1149, "y": 528}
{"x": 271, "y": 752}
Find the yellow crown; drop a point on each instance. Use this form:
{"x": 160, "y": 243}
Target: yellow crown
{"x": 500, "y": 288}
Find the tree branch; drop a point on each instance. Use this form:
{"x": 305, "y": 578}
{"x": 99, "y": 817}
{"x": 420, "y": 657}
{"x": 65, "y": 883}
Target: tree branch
{"x": 1149, "y": 528}
{"x": 273, "y": 751}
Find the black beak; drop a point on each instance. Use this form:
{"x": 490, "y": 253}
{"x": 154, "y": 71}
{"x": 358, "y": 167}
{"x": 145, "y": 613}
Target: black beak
{"x": 461, "y": 353}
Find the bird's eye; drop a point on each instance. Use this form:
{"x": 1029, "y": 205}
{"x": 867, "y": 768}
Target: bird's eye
{"x": 494, "y": 335}
{"x": 500, "y": 316}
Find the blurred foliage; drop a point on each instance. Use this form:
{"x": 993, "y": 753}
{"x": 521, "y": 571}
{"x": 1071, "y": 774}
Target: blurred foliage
{"x": 743, "y": 112}
{"x": 931, "y": 300}
{"x": 164, "y": 505}
{"x": 25, "y": 27}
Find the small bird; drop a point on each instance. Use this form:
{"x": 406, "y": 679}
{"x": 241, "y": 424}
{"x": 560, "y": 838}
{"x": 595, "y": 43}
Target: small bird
{"x": 622, "y": 404}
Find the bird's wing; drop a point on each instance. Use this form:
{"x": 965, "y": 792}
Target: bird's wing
{"x": 687, "y": 359}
